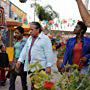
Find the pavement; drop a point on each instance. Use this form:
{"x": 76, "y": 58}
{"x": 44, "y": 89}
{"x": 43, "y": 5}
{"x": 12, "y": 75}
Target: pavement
{"x": 18, "y": 85}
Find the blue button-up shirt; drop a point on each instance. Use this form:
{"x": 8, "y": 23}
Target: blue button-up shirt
{"x": 68, "y": 55}
{"x": 18, "y": 46}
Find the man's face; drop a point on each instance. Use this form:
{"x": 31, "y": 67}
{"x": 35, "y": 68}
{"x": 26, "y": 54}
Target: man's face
{"x": 33, "y": 30}
{"x": 17, "y": 34}
{"x": 3, "y": 48}
{"x": 77, "y": 29}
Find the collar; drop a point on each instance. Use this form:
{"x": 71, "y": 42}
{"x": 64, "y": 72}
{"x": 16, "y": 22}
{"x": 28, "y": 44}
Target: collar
{"x": 82, "y": 39}
{"x": 40, "y": 35}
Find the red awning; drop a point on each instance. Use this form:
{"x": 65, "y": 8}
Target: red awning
{"x": 12, "y": 22}
{"x": 26, "y": 27}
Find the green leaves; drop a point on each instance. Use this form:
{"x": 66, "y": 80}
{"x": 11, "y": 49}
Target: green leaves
{"x": 61, "y": 51}
{"x": 73, "y": 79}
{"x": 38, "y": 76}
{"x": 44, "y": 14}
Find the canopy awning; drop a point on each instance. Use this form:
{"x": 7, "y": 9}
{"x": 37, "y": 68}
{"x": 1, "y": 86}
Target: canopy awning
{"x": 9, "y": 22}
{"x": 26, "y": 27}
{"x": 12, "y": 22}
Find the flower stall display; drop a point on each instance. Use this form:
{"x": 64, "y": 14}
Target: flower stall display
{"x": 71, "y": 79}
{"x": 60, "y": 55}
{"x": 61, "y": 51}
{"x": 40, "y": 79}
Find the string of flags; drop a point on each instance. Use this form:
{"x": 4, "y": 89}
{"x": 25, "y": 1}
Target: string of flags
{"x": 59, "y": 24}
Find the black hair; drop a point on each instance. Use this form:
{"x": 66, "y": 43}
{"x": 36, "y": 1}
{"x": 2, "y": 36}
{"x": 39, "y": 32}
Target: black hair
{"x": 20, "y": 29}
{"x": 38, "y": 26}
{"x": 1, "y": 46}
{"x": 82, "y": 26}
{"x": 1, "y": 8}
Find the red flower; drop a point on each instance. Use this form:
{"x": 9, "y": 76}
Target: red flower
{"x": 48, "y": 84}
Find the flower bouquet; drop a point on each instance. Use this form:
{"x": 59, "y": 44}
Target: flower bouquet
{"x": 40, "y": 79}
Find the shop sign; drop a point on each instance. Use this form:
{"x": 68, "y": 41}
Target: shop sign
{"x": 18, "y": 11}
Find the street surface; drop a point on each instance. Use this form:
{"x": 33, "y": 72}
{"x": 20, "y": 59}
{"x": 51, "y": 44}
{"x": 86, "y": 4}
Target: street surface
{"x": 18, "y": 85}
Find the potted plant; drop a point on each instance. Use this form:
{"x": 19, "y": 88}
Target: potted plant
{"x": 44, "y": 14}
{"x": 60, "y": 55}
{"x": 39, "y": 78}
{"x": 22, "y": 1}
{"x": 72, "y": 79}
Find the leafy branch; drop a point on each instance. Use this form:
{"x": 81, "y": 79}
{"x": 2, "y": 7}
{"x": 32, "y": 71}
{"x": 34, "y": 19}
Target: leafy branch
{"x": 73, "y": 79}
{"x": 44, "y": 14}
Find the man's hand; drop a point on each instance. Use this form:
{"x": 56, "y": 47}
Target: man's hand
{"x": 48, "y": 70}
{"x": 6, "y": 68}
{"x": 82, "y": 62}
{"x": 18, "y": 64}
{"x": 62, "y": 70}
{"x": 83, "y": 59}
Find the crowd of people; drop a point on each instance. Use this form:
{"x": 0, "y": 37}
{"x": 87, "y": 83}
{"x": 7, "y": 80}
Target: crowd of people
{"x": 38, "y": 47}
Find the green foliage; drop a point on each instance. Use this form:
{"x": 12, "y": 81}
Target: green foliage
{"x": 73, "y": 79}
{"x": 61, "y": 51}
{"x": 43, "y": 14}
{"x": 38, "y": 77}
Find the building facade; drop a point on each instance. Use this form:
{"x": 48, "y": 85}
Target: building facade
{"x": 12, "y": 17}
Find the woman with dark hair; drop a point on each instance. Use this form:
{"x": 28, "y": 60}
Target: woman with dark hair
{"x": 77, "y": 48}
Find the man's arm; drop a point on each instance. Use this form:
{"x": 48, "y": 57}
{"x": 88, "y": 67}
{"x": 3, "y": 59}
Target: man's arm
{"x": 84, "y": 12}
{"x": 22, "y": 56}
{"x": 49, "y": 55}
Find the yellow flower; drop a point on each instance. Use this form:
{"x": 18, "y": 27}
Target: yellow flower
{"x": 54, "y": 47}
{"x": 36, "y": 86}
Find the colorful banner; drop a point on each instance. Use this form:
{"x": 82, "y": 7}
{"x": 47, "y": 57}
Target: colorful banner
{"x": 64, "y": 24}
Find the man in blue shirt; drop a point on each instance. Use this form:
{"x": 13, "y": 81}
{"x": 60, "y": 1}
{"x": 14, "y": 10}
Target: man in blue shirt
{"x": 18, "y": 46}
